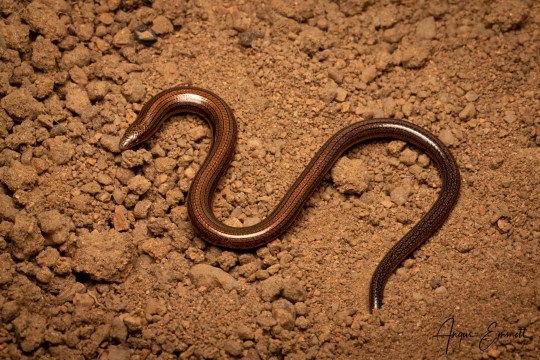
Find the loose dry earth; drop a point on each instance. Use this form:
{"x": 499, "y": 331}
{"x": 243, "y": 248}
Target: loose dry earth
{"x": 98, "y": 257}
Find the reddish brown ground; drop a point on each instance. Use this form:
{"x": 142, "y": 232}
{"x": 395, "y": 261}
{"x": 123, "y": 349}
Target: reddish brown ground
{"x": 98, "y": 258}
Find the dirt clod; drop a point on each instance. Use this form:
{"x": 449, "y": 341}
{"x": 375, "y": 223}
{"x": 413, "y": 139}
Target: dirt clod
{"x": 104, "y": 255}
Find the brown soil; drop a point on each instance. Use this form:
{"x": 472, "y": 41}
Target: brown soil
{"x": 97, "y": 255}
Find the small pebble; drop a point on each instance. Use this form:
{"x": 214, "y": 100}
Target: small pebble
{"x": 441, "y": 290}
{"x": 336, "y": 75}
{"x": 293, "y": 290}
{"x": 408, "y": 157}
{"x": 77, "y": 100}
{"x": 468, "y": 112}
{"x": 284, "y": 313}
{"x": 399, "y": 195}
{"x": 368, "y": 74}
{"x": 165, "y": 164}
{"x": 122, "y": 37}
{"x": 270, "y": 288}
{"x": 510, "y": 116}
{"x": 44, "y": 275}
{"x": 426, "y": 29}
{"x": 210, "y": 277}
{"x": 120, "y": 220}
{"x": 139, "y": 184}
{"x": 233, "y": 347}
{"x": 133, "y": 323}
{"x": 471, "y": 96}
{"x": 145, "y": 35}
{"x": 161, "y": 25}
{"x": 447, "y": 137}
{"x": 341, "y": 94}
{"x": 91, "y": 188}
